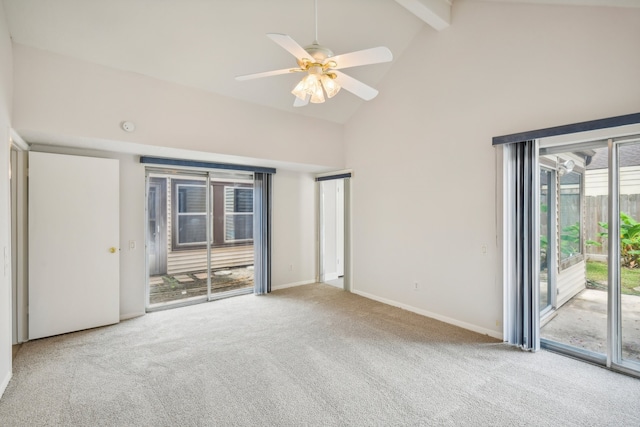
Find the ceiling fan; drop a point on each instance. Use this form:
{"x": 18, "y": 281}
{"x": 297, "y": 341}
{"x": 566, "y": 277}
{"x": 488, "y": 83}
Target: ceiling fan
{"x": 321, "y": 69}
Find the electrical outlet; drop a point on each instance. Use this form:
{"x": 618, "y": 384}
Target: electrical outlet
{"x": 132, "y": 245}
{"x": 290, "y": 267}
{"x": 415, "y": 286}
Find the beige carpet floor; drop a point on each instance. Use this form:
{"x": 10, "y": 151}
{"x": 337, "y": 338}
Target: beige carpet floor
{"x": 307, "y": 356}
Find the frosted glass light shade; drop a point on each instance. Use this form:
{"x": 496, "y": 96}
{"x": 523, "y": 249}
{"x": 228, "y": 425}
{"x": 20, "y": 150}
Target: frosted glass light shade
{"x": 299, "y": 90}
{"x": 330, "y": 86}
{"x": 306, "y": 86}
{"x": 313, "y": 84}
{"x": 317, "y": 97}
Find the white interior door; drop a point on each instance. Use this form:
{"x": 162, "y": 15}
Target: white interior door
{"x": 73, "y": 243}
{"x": 329, "y": 233}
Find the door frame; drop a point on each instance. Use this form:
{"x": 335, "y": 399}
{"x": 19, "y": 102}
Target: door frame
{"x": 347, "y": 176}
{"x": 19, "y": 240}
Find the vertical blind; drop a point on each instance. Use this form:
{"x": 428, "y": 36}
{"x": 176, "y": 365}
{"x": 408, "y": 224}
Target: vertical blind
{"x": 262, "y": 232}
{"x": 520, "y": 245}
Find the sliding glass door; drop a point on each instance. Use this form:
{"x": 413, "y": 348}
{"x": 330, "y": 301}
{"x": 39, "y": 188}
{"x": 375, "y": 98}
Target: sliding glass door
{"x": 199, "y": 235}
{"x": 627, "y": 307}
{"x": 589, "y": 233}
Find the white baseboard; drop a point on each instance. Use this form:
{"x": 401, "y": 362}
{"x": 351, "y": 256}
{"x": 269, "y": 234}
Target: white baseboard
{"x": 131, "y": 315}
{"x": 291, "y": 285}
{"x": 455, "y": 322}
{"x": 5, "y": 382}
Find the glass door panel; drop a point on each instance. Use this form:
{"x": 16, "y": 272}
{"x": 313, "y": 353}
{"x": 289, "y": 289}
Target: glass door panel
{"x": 629, "y": 206}
{"x": 576, "y": 273}
{"x": 547, "y": 221}
{"x": 157, "y": 229}
{"x": 232, "y": 250}
{"x": 176, "y": 238}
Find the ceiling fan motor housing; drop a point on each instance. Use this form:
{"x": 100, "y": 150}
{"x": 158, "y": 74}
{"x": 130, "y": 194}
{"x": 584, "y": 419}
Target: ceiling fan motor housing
{"x": 318, "y": 52}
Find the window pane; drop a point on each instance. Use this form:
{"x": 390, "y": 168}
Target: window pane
{"x": 569, "y": 215}
{"x": 191, "y": 199}
{"x": 238, "y": 200}
{"x": 238, "y": 227}
{"x": 192, "y": 229}
{"x": 244, "y": 200}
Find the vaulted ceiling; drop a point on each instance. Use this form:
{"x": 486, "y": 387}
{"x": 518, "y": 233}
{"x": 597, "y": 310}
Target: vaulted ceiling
{"x": 205, "y": 43}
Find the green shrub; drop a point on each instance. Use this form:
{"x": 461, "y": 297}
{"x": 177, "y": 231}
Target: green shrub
{"x": 629, "y": 240}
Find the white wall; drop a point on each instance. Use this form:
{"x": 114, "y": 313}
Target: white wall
{"x": 424, "y": 189}
{"x": 68, "y": 98}
{"x": 6, "y": 76}
{"x": 72, "y": 103}
{"x": 294, "y": 246}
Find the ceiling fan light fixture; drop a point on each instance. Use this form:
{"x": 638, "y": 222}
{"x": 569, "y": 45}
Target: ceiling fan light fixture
{"x": 317, "y": 97}
{"x": 300, "y": 90}
{"x": 306, "y": 86}
{"x": 330, "y": 85}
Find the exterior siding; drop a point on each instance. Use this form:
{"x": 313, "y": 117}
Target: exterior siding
{"x": 571, "y": 281}
{"x": 196, "y": 260}
{"x": 597, "y": 183}
{"x": 184, "y": 261}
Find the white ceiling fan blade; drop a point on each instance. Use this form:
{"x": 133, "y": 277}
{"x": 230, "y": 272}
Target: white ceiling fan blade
{"x": 265, "y": 74}
{"x": 290, "y": 45}
{"x": 355, "y": 86}
{"x": 301, "y": 102}
{"x": 374, "y": 55}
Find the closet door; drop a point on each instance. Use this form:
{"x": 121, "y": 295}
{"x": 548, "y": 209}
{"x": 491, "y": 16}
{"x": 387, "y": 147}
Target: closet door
{"x": 73, "y": 243}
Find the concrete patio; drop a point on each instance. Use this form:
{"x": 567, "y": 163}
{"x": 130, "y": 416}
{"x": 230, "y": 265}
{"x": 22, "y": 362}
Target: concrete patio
{"x": 182, "y": 286}
{"x": 582, "y": 323}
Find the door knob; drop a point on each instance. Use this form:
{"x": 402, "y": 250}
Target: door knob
{"x": 112, "y": 250}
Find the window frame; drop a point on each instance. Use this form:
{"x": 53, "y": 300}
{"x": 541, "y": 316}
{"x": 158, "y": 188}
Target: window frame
{"x": 564, "y": 263}
{"x": 217, "y": 238}
{"x": 234, "y": 214}
{"x": 176, "y": 214}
